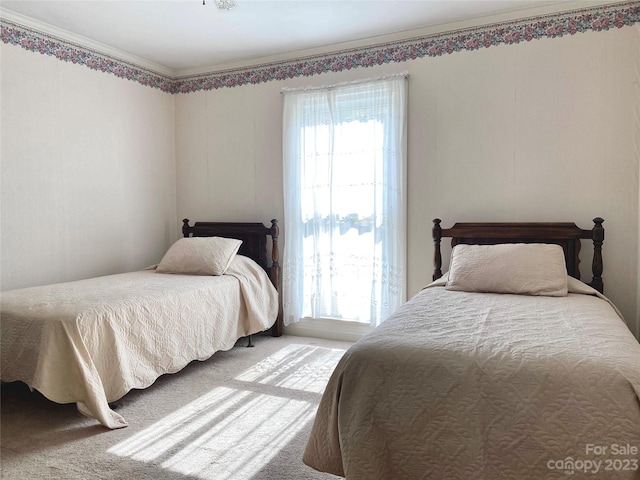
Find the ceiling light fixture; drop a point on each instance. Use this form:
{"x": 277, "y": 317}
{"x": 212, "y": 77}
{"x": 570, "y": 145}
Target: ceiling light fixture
{"x": 224, "y": 4}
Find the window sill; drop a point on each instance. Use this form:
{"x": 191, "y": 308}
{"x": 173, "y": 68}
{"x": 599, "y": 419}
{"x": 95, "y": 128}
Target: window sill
{"x": 329, "y": 329}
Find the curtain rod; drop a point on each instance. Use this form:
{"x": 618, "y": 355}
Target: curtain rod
{"x": 342, "y": 84}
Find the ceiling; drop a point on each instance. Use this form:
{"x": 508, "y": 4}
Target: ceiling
{"x": 185, "y": 34}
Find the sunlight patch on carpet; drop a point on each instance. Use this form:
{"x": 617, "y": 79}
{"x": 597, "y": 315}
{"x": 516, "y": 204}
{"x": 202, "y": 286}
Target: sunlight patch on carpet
{"x": 234, "y": 431}
{"x": 299, "y": 367}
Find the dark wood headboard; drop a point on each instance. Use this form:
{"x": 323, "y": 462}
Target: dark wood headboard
{"x": 254, "y": 245}
{"x": 567, "y": 235}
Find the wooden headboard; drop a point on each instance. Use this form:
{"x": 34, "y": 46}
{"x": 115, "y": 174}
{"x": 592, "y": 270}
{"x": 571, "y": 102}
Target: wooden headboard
{"x": 567, "y": 235}
{"x": 254, "y": 245}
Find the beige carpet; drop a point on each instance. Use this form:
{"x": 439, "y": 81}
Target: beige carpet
{"x": 242, "y": 414}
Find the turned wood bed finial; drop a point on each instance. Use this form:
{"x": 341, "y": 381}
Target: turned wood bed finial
{"x": 276, "y": 276}
{"x": 275, "y": 232}
{"x": 437, "y": 255}
{"x": 186, "y": 229}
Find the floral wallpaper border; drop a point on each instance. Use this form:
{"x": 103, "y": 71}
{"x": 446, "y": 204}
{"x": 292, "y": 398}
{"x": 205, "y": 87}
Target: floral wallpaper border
{"x": 35, "y": 41}
{"x": 598, "y": 18}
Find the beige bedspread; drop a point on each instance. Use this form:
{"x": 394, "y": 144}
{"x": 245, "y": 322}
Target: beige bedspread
{"x": 460, "y": 385}
{"x": 93, "y": 340}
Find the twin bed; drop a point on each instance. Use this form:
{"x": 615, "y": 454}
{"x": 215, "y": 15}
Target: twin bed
{"x": 505, "y": 367}
{"x": 91, "y": 341}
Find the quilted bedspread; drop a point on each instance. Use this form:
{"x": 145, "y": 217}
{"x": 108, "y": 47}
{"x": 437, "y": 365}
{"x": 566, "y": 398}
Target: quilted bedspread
{"x": 460, "y": 385}
{"x": 92, "y": 341}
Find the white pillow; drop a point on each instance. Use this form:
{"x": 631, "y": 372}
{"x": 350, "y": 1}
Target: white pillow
{"x": 200, "y": 256}
{"x": 518, "y": 268}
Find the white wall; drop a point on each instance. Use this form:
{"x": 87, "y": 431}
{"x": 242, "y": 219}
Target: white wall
{"x": 229, "y": 149}
{"x": 93, "y": 181}
{"x": 538, "y": 131}
{"x": 88, "y": 171}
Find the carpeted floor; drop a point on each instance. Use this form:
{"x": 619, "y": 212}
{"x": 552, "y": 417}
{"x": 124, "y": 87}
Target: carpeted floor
{"x": 242, "y": 414}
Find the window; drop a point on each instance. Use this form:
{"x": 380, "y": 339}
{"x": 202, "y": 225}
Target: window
{"x": 344, "y": 186}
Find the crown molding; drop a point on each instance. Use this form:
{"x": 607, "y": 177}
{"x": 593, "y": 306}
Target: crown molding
{"x": 79, "y": 41}
{"x": 507, "y": 29}
{"x": 406, "y": 35}
{"x": 442, "y": 40}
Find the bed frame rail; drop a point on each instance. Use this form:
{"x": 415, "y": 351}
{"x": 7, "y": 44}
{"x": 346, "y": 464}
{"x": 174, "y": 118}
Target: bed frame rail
{"x": 567, "y": 235}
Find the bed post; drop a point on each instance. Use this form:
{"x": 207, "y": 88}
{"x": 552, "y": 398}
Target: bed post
{"x": 278, "y": 328}
{"x": 437, "y": 256}
{"x": 597, "y": 234}
{"x": 186, "y": 229}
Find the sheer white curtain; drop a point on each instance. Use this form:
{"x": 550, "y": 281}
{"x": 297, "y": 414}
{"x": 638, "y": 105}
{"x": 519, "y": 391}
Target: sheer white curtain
{"x": 344, "y": 192}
